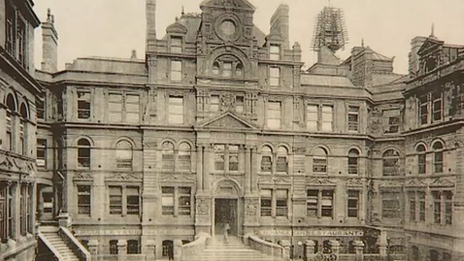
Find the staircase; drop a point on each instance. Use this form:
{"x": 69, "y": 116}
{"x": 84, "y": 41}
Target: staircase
{"x": 234, "y": 250}
{"x": 51, "y": 235}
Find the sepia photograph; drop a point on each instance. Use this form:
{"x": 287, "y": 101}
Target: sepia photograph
{"x": 232, "y": 130}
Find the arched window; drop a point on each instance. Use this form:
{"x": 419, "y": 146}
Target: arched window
{"x": 353, "y": 161}
{"x": 113, "y": 247}
{"x": 83, "y": 154}
{"x": 239, "y": 69}
{"x": 438, "y": 157}
{"x": 219, "y": 156}
{"x": 23, "y": 112}
{"x": 168, "y": 155}
{"x": 184, "y": 156}
{"x": 391, "y": 163}
{"x": 266, "y": 159}
{"x": 11, "y": 107}
{"x": 320, "y": 160}
{"x": 421, "y": 159}
{"x": 124, "y": 155}
{"x": 282, "y": 160}
{"x": 216, "y": 68}
{"x": 133, "y": 247}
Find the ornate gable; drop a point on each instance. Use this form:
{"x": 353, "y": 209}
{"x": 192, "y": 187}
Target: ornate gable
{"x": 176, "y": 28}
{"x": 428, "y": 45}
{"x": 227, "y": 120}
{"x": 442, "y": 182}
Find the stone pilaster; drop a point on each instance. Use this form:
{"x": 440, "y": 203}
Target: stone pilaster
{"x": 309, "y": 250}
{"x": 93, "y": 249}
{"x": 150, "y": 249}
{"x": 359, "y": 247}
{"x": 122, "y": 250}
{"x": 177, "y": 250}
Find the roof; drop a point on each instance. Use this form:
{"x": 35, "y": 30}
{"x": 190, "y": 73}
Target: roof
{"x": 109, "y": 65}
{"x": 380, "y": 57}
{"x": 326, "y": 80}
{"x": 384, "y": 78}
{"x": 259, "y": 35}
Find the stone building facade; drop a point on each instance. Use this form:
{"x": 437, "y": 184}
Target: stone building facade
{"x": 219, "y": 124}
{"x": 18, "y": 92}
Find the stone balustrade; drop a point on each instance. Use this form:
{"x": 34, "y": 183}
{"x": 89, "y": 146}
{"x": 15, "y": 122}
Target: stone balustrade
{"x": 272, "y": 249}
{"x": 78, "y": 249}
{"x": 195, "y": 247}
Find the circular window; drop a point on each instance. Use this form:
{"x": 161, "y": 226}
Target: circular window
{"x": 228, "y": 28}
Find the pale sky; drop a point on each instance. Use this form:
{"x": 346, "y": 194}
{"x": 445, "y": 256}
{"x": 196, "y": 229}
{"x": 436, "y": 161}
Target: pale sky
{"x": 112, "y": 28}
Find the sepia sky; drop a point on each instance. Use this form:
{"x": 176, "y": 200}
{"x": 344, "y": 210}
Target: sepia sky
{"x": 112, "y": 28}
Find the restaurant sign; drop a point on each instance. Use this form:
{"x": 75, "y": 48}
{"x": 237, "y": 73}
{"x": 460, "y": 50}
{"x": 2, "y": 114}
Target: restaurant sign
{"x": 329, "y": 233}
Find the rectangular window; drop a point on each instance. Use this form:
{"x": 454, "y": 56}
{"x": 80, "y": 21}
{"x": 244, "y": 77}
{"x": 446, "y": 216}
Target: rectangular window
{"x": 353, "y": 118}
{"x": 133, "y": 247}
{"x": 227, "y": 69}
{"x": 353, "y": 203}
{"x": 436, "y": 207}
{"x": 393, "y": 125}
{"x": 327, "y": 118}
{"x": 167, "y": 200}
{"x": 113, "y": 247}
{"x": 185, "y": 198}
{"x": 390, "y": 205}
{"x": 421, "y": 197}
{"x": 9, "y": 139}
{"x": 266, "y": 202}
{"x": 133, "y": 200}
{"x": 40, "y": 108}
{"x": 219, "y": 157}
{"x": 281, "y": 203}
{"x": 312, "y": 203}
{"x": 239, "y": 104}
{"x": 176, "y": 110}
{"x": 274, "y": 77}
{"x": 422, "y": 163}
{"x": 84, "y": 199}
{"x": 176, "y": 71}
{"x": 412, "y": 207}
{"x": 10, "y": 29}
{"x": 214, "y": 103}
{"x": 312, "y": 117}
{"x": 320, "y": 164}
{"x": 132, "y": 108}
{"x": 115, "y": 200}
{"x": 115, "y": 107}
{"x": 22, "y": 41}
{"x": 327, "y": 203}
{"x": 41, "y": 153}
{"x": 274, "y": 52}
{"x": 274, "y": 115}
{"x": 83, "y": 105}
{"x": 423, "y": 109}
{"x": 233, "y": 157}
{"x": 282, "y": 164}
{"x": 448, "y": 195}
{"x": 437, "y": 106}
{"x": 22, "y": 140}
{"x": 176, "y": 44}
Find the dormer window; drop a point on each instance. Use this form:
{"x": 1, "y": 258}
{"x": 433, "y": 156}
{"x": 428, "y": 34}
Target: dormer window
{"x": 430, "y": 64}
{"x": 228, "y": 67}
{"x": 274, "y": 52}
{"x": 176, "y": 44}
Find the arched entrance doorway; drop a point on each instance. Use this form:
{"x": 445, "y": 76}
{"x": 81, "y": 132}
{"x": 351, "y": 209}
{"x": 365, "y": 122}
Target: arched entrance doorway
{"x": 226, "y": 205}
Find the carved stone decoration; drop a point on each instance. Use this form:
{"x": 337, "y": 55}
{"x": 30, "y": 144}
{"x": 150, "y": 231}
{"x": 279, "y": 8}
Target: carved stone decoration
{"x": 83, "y": 176}
{"x": 441, "y": 182}
{"x": 355, "y": 182}
{"x": 228, "y": 122}
{"x": 125, "y": 177}
{"x": 6, "y": 163}
{"x": 202, "y": 207}
{"x": 177, "y": 178}
{"x": 416, "y": 183}
{"x": 227, "y": 102}
{"x": 251, "y": 208}
{"x": 390, "y": 183}
{"x": 274, "y": 180}
{"x": 151, "y": 145}
{"x": 320, "y": 181}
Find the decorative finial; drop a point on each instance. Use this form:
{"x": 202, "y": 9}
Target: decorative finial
{"x": 53, "y": 19}
{"x": 177, "y": 18}
{"x": 433, "y": 30}
{"x": 328, "y": 2}
{"x": 49, "y": 14}
{"x": 183, "y": 11}
{"x": 362, "y": 42}
{"x": 134, "y": 54}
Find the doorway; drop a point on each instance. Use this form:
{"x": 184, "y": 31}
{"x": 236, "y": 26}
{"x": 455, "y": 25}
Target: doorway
{"x": 225, "y": 211}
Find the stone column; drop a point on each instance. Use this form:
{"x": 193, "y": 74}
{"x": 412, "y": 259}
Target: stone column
{"x": 122, "y": 250}
{"x": 199, "y": 168}
{"x": 254, "y": 169}
{"x": 286, "y": 245}
{"x": 93, "y": 249}
{"x": 359, "y": 247}
{"x": 309, "y": 250}
{"x": 209, "y": 156}
{"x": 177, "y": 250}
{"x": 150, "y": 249}
{"x": 335, "y": 246}
{"x": 247, "y": 170}
{"x": 383, "y": 244}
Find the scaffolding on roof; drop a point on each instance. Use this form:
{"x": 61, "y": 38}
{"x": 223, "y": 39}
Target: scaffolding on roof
{"x": 330, "y": 30}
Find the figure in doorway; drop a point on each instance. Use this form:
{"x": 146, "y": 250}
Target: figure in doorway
{"x": 171, "y": 252}
{"x": 226, "y": 232}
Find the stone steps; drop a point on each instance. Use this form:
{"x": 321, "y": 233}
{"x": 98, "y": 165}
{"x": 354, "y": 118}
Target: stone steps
{"x": 59, "y": 245}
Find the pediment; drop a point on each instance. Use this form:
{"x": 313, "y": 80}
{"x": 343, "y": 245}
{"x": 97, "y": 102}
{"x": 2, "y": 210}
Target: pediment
{"x": 416, "y": 183}
{"x": 227, "y": 120}
{"x": 429, "y": 44}
{"x": 242, "y": 4}
{"x": 176, "y": 28}
{"x": 441, "y": 182}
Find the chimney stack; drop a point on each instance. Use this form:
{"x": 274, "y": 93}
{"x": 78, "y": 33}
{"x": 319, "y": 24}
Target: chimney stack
{"x": 280, "y": 23}
{"x": 416, "y": 44}
{"x": 151, "y": 25}
{"x": 49, "y": 44}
